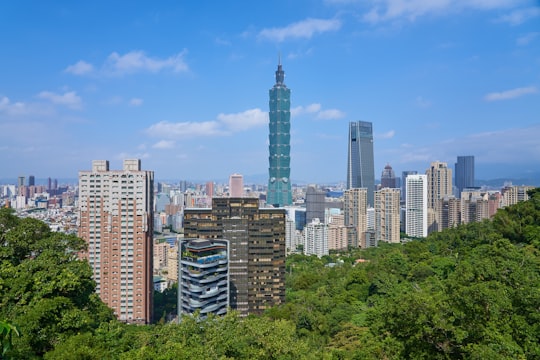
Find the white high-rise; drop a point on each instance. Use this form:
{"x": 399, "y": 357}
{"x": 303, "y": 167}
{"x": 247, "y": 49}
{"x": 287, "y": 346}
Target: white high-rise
{"x": 416, "y": 203}
{"x": 316, "y": 238}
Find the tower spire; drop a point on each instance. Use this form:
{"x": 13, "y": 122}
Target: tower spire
{"x": 280, "y": 74}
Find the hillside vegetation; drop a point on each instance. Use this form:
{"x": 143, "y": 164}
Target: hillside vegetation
{"x": 472, "y": 292}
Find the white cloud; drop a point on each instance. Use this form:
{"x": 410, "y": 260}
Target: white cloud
{"x": 387, "y": 10}
{"x": 387, "y": 135}
{"x": 244, "y": 120}
{"x": 6, "y": 106}
{"x": 302, "y": 29}
{"x": 527, "y": 38}
{"x": 69, "y": 99}
{"x": 315, "y": 108}
{"x": 132, "y": 62}
{"x": 80, "y": 68}
{"x": 520, "y": 16}
{"x": 510, "y": 94}
{"x": 164, "y": 144}
{"x": 165, "y": 129}
{"x": 136, "y": 102}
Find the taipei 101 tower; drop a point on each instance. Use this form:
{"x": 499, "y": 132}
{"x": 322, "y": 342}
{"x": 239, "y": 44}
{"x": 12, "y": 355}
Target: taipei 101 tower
{"x": 279, "y": 185}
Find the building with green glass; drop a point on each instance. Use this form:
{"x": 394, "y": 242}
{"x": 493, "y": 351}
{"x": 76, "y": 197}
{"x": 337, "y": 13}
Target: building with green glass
{"x": 279, "y": 185}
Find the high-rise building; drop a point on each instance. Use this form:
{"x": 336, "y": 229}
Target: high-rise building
{"x": 355, "y": 212}
{"x": 209, "y": 189}
{"x": 448, "y": 212}
{"x": 20, "y": 182}
{"x": 388, "y": 178}
{"x": 514, "y": 194}
{"x": 404, "y": 175}
{"x": 279, "y": 185}
{"x": 387, "y": 215}
{"x": 236, "y": 185}
{"x": 416, "y": 216}
{"x": 116, "y": 220}
{"x": 360, "y": 164}
{"x": 439, "y": 183}
{"x": 257, "y": 249}
{"x": 31, "y": 180}
{"x": 315, "y": 203}
{"x": 316, "y": 238}
{"x": 464, "y": 172}
{"x": 203, "y": 282}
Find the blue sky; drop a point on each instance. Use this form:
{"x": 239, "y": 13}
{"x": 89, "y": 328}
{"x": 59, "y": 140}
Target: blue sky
{"x": 183, "y": 85}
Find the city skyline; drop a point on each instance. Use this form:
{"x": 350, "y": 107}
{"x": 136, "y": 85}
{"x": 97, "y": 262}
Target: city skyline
{"x": 191, "y": 82}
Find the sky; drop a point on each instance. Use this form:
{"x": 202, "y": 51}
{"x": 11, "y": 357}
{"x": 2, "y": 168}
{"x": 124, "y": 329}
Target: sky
{"x": 183, "y": 85}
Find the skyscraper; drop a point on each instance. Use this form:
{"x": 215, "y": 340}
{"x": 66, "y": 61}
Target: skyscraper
{"x": 116, "y": 220}
{"x": 257, "y": 249}
{"x": 316, "y": 238}
{"x": 404, "y": 175}
{"x": 315, "y": 204}
{"x": 464, "y": 169}
{"x": 31, "y": 180}
{"x": 416, "y": 217}
{"x": 360, "y": 164}
{"x": 387, "y": 215}
{"x": 355, "y": 211}
{"x": 236, "y": 185}
{"x": 388, "y": 178}
{"x": 279, "y": 186}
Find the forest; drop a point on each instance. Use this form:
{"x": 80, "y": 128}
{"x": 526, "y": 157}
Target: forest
{"x": 471, "y": 292}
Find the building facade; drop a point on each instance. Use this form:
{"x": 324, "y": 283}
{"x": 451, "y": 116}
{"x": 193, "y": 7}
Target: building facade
{"x": 360, "y": 163}
{"x": 464, "y": 172}
{"x": 279, "y": 185}
{"x": 387, "y": 214}
{"x": 416, "y": 209}
{"x": 115, "y": 219}
{"x": 388, "y": 177}
{"x": 257, "y": 249}
{"x": 203, "y": 282}
{"x": 315, "y": 203}
{"x": 236, "y": 185}
{"x": 355, "y": 212}
{"x": 316, "y": 238}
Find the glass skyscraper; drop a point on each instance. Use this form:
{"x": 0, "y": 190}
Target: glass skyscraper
{"x": 360, "y": 164}
{"x": 279, "y": 185}
{"x": 464, "y": 172}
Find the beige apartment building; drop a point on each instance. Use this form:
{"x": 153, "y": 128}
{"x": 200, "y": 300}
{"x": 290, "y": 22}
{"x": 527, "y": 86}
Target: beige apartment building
{"x": 115, "y": 219}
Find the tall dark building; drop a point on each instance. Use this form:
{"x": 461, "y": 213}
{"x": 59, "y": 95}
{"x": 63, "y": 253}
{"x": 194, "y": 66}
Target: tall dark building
{"x": 279, "y": 171}
{"x": 31, "y": 180}
{"x": 256, "y": 253}
{"x": 464, "y": 169}
{"x": 315, "y": 204}
{"x": 360, "y": 164}
{"x": 388, "y": 178}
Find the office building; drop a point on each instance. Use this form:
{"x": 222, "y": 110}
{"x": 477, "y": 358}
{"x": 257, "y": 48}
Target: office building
{"x": 20, "y": 181}
{"x": 316, "y": 238}
{"x": 439, "y": 183}
{"x": 388, "y": 178}
{"x": 404, "y": 175}
{"x": 360, "y": 164}
{"x": 115, "y": 219}
{"x": 387, "y": 215}
{"x": 355, "y": 212}
{"x": 315, "y": 203}
{"x": 448, "y": 212}
{"x": 203, "y": 283}
{"x": 236, "y": 185}
{"x": 279, "y": 172}
{"x": 416, "y": 216}
{"x": 31, "y": 180}
{"x": 257, "y": 249}
{"x": 464, "y": 172}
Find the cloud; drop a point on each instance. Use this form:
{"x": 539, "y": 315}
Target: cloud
{"x": 80, "y": 68}
{"x": 244, "y": 120}
{"x": 136, "y": 102}
{"x": 132, "y": 62}
{"x": 69, "y": 99}
{"x": 315, "y": 108}
{"x": 302, "y": 29}
{"x": 527, "y": 38}
{"x": 125, "y": 155}
{"x": 165, "y": 129}
{"x": 387, "y": 135}
{"x": 510, "y": 94}
{"x": 388, "y": 10}
{"x": 520, "y": 16}
{"x": 164, "y": 144}
{"x": 6, "y": 106}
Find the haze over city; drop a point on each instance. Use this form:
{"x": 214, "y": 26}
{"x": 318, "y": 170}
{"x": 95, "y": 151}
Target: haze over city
{"x": 184, "y": 86}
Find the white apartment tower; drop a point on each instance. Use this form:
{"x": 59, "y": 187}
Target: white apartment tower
{"x": 387, "y": 215}
{"x": 115, "y": 219}
{"x": 316, "y": 238}
{"x": 416, "y": 206}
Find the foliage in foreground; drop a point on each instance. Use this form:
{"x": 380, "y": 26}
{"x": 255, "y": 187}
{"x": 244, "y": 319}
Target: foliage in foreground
{"x": 466, "y": 293}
